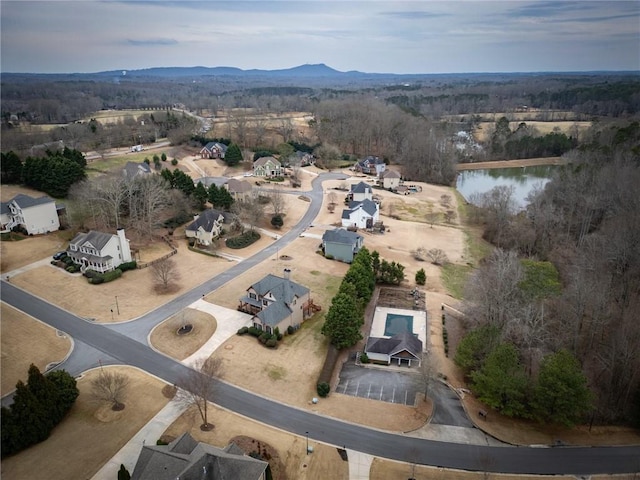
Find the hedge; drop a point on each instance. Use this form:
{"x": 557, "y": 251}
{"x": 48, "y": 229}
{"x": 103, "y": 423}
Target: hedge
{"x": 99, "y": 278}
{"x": 244, "y": 240}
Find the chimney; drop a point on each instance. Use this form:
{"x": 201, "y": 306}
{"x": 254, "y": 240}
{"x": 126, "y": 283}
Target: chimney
{"x": 124, "y": 246}
{"x": 287, "y": 273}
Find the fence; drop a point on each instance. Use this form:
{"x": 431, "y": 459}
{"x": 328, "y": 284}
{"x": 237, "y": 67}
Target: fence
{"x": 173, "y": 251}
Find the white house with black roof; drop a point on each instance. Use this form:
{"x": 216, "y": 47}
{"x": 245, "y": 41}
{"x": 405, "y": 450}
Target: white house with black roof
{"x": 364, "y": 214}
{"x": 99, "y": 251}
{"x": 360, "y": 191}
{"x": 402, "y": 348}
{"x": 35, "y": 215}
{"x": 205, "y": 227}
{"x": 277, "y": 302}
{"x": 186, "y": 459}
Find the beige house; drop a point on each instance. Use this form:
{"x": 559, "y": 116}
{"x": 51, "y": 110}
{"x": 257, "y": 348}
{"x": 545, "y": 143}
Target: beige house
{"x": 205, "y": 227}
{"x": 35, "y": 215}
{"x": 390, "y": 179}
{"x": 239, "y": 190}
{"x": 277, "y": 302}
{"x": 267, "y": 167}
{"x": 99, "y": 251}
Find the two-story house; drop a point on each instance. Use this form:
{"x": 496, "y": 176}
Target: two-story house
{"x": 359, "y": 192}
{"x": 99, "y": 251}
{"x": 240, "y": 190}
{"x": 370, "y": 165}
{"x": 364, "y": 214}
{"x": 213, "y": 150}
{"x": 390, "y": 180}
{"x": 341, "y": 244}
{"x": 35, "y": 215}
{"x": 277, "y": 302}
{"x": 267, "y": 167}
{"x": 205, "y": 227}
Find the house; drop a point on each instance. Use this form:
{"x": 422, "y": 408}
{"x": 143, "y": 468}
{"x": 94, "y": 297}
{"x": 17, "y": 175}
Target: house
{"x": 341, "y": 244}
{"x": 370, "y": 165}
{"x": 133, "y": 169}
{"x": 277, "y": 302}
{"x": 99, "y": 251}
{"x": 390, "y": 180}
{"x": 359, "y": 192}
{"x": 363, "y": 214}
{"x": 304, "y": 159}
{"x": 240, "y": 190}
{"x": 267, "y": 167}
{"x": 186, "y": 459}
{"x": 205, "y": 227}
{"x": 35, "y": 215}
{"x": 213, "y": 150}
{"x": 404, "y": 347}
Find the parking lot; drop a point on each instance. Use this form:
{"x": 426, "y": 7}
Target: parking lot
{"x": 386, "y": 386}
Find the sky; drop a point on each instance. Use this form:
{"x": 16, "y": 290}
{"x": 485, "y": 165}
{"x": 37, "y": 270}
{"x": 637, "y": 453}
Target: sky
{"x": 401, "y": 37}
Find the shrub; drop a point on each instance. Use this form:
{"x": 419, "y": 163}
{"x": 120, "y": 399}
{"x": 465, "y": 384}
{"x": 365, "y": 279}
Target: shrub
{"x": 290, "y": 330}
{"x": 71, "y": 269}
{"x": 160, "y": 441}
{"x": 112, "y": 275}
{"x": 174, "y": 162}
{"x": 264, "y": 337}
{"x": 329, "y": 256}
{"x": 323, "y": 389}
{"x": 90, "y": 273}
{"x": 256, "y": 332}
{"x": 244, "y": 240}
{"x": 421, "y": 277}
{"x": 243, "y": 330}
{"x": 271, "y": 343}
{"x": 277, "y": 221}
{"x": 364, "y": 358}
{"x": 96, "y": 280}
{"x": 279, "y": 337}
{"x": 128, "y": 266}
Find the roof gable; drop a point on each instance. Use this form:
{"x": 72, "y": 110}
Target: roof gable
{"x": 94, "y": 239}
{"x": 262, "y": 161}
{"x": 340, "y": 235}
{"x": 207, "y": 220}
{"x": 25, "y": 201}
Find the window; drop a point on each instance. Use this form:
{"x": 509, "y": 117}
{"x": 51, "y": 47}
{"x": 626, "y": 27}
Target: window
{"x": 265, "y": 303}
{"x": 252, "y": 296}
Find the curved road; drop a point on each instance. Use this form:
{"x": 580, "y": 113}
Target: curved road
{"x": 127, "y": 344}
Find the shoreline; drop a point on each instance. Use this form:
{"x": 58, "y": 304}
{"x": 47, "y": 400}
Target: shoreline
{"x": 525, "y": 162}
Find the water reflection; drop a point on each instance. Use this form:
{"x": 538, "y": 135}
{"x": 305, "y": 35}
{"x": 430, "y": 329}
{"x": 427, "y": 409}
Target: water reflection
{"x": 523, "y": 180}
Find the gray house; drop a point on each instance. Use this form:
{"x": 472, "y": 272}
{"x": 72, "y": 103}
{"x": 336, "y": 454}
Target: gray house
{"x": 186, "y": 459}
{"x": 341, "y": 244}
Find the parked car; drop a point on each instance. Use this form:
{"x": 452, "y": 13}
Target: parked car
{"x": 59, "y": 255}
{"x": 248, "y": 174}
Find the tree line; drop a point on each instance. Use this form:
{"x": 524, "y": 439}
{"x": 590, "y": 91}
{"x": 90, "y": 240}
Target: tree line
{"x": 585, "y": 223}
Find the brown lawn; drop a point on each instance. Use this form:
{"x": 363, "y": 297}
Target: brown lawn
{"x": 168, "y": 339}
{"x": 22, "y": 334}
{"x": 91, "y": 434}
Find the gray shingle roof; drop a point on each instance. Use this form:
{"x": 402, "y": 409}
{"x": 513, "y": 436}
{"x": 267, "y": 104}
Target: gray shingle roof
{"x": 206, "y": 220}
{"x": 97, "y": 239}
{"x": 390, "y": 174}
{"x": 361, "y": 187}
{"x": 284, "y": 291}
{"x": 187, "y": 459}
{"x": 211, "y": 145}
{"x": 392, "y": 346}
{"x": 131, "y": 169}
{"x": 263, "y": 160}
{"x": 340, "y": 235}
{"x": 25, "y": 201}
{"x": 367, "y": 205}
{"x": 238, "y": 186}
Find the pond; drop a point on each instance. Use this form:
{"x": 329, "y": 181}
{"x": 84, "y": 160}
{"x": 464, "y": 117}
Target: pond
{"x": 522, "y": 179}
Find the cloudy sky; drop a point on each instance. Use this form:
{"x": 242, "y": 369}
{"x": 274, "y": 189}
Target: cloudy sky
{"x": 369, "y": 36}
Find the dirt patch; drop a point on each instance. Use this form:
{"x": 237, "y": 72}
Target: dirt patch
{"x": 167, "y": 339}
{"x": 91, "y": 434}
{"x": 19, "y": 332}
{"x": 262, "y": 450}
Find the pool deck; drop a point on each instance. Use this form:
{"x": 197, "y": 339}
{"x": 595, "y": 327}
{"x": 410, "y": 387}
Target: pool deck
{"x": 419, "y": 322}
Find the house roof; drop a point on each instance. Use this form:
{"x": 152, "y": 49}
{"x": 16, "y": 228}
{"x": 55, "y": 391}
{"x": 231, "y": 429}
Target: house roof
{"x": 369, "y": 206}
{"x": 340, "y": 235}
{"x": 131, "y": 169}
{"x": 211, "y": 145}
{"x": 361, "y": 187}
{"x": 187, "y": 459}
{"x": 263, "y": 161}
{"x": 284, "y": 291}
{"x": 238, "y": 186}
{"x": 390, "y": 174}
{"x": 25, "y": 201}
{"x": 206, "y": 220}
{"x": 4, "y": 208}
{"x": 208, "y": 181}
{"x": 371, "y": 160}
{"x": 97, "y": 239}
{"x": 403, "y": 341}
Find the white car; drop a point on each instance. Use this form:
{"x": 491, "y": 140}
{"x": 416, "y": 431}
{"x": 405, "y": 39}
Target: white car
{"x": 248, "y": 174}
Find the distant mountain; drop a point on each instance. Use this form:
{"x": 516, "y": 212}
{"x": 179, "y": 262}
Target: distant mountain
{"x": 316, "y": 70}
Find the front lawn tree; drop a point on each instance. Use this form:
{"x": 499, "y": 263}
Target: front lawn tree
{"x": 197, "y": 387}
{"x": 561, "y": 394}
{"x": 110, "y": 387}
{"x": 165, "y": 272}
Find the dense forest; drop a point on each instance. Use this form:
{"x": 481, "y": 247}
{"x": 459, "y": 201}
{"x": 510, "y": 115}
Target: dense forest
{"x": 552, "y": 309}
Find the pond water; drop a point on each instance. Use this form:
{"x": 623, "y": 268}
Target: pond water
{"x": 522, "y": 179}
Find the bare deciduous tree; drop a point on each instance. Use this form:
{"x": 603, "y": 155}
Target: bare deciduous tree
{"x": 449, "y": 216}
{"x": 165, "y": 272}
{"x": 445, "y": 200}
{"x": 278, "y": 201}
{"x": 196, "y": 388}
{"x": 438, "y": 256}
{"x": 110, "y": 387}
{"x": 432, "y": 217}
{"x": 420, "y": 254}
{"x": 250, "y": 211}
{"x": 427, "y": 373}
{"x": 333, "y": 198}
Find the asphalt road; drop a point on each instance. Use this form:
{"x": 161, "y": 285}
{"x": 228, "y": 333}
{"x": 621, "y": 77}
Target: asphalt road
{"x": 122, "y": 343}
